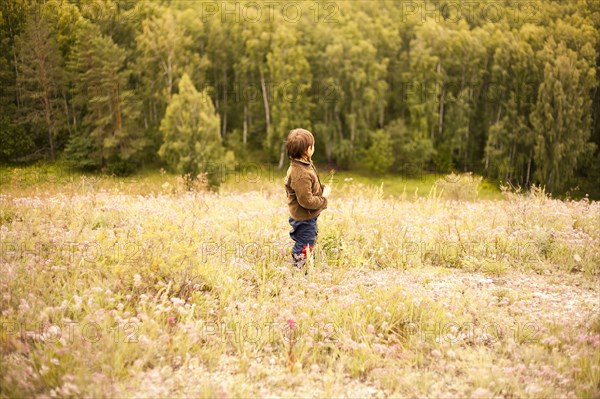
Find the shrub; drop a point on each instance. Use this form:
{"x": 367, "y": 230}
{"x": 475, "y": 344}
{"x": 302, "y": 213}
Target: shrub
{"x": 15, "y": 143}
{"x": 192, "y": 142}
{"x": 379, "y": 157}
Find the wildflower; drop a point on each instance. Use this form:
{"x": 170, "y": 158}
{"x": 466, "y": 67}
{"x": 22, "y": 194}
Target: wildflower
{"x": 380, "y": 349}
{"x": 533, "y": 389}
{"x": 171, "y": 321}
{"x": 51, "y": 333}
{"x": 291, "y": 324}
{"x": 551, "y": 341}
{"x": 177, "y": 301}
{"x": 481, "y": 393}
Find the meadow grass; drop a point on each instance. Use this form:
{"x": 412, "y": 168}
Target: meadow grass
{"x": 119, "y": 287}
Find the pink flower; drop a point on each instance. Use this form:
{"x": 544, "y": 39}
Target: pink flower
{"x": 171, "y": 320}
{"x": 291, "y": 324}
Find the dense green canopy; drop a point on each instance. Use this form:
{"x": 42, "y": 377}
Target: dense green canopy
{"x": 506, "y": 89}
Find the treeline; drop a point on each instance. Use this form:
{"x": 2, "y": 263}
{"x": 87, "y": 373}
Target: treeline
{"x": 508, "y": 89}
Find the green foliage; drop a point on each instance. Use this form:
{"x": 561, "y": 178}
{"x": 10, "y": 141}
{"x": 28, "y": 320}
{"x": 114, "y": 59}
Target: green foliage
{"x": 379, "y": 157}
{"x": 562, "y": 115}
{"x": 165, "y": 54}
{"x": 343, "y": 153}
{"x": 78, "y": 151}
{"x": 190, "y": 128}
{"x": 498, "y": 97}
{"x": 121, "y": 167}
{"x": 411, "y": 149}
{"x": 516, "y": 73}
{"x": 40, "y": 78}
{"x": 352, "y": 86}
{"x": 291, "y": 106}
{"x": 108, "y": 109}
{"x": 13, "y": 16}
{"x": 15, "y": 143}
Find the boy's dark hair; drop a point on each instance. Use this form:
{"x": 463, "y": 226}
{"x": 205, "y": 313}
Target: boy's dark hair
{"x": 298, "y": 141}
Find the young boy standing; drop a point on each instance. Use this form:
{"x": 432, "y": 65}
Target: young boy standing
{"x": 306, "y": 196}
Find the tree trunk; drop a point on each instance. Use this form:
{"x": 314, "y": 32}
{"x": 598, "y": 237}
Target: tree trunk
{"x": 16, "y": 64}
{"x": 47, "y": 110}
{"x": 529, "y": 167}
{"x": 339, "y": 124}
{"x": 169, "y": 71}
{"x": 281, "y": 156}
{"x": 249, "y": 121}
{"x": 352, "y": 120}
{"x": 441, "y": 110}
{"x": 245, "y": 131}
{"x": 155, "y": 114}
{"x": 330, "y": 134}
{"x": 66, "y": 106}
{"x": 224, "y": 128}
{"x": 466, "y": 158}
{"x": 118, "y": 115}
{"x": 265, "y": 99}
{"x": 50, "y": 138}
{"x": 511, "y": 160}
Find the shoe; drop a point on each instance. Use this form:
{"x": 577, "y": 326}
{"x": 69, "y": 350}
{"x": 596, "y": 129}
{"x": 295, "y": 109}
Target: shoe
{"x": 299, "y": 261}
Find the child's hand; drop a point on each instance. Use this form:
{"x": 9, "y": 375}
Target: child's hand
{"x": 326, "y": 191}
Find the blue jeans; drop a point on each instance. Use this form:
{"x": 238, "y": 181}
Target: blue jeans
{"x": 303, "y": 233}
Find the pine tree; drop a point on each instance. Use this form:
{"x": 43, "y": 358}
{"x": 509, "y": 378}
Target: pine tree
{"x": 40, "y": 78}
{"x": 108, "y": 112}
{"x": 191, "y": 139}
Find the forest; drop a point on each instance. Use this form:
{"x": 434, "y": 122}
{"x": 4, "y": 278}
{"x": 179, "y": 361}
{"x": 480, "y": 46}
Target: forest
{"x": 506, "y": 89}
{"x": 145, "y": 243}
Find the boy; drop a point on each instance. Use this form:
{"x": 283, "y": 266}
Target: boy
{"x": 306, "y": 196}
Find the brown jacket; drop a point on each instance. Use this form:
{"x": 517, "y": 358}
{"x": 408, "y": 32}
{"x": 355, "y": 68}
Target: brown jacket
{"x": 304, "y": 190}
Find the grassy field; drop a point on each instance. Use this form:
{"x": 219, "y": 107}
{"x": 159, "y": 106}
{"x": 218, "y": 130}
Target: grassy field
{"x": 248, "y": 177}
{"x": 135, "y": 287}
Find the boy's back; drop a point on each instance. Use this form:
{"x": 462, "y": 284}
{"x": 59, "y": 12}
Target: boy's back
{"x": 304, "y": 190}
